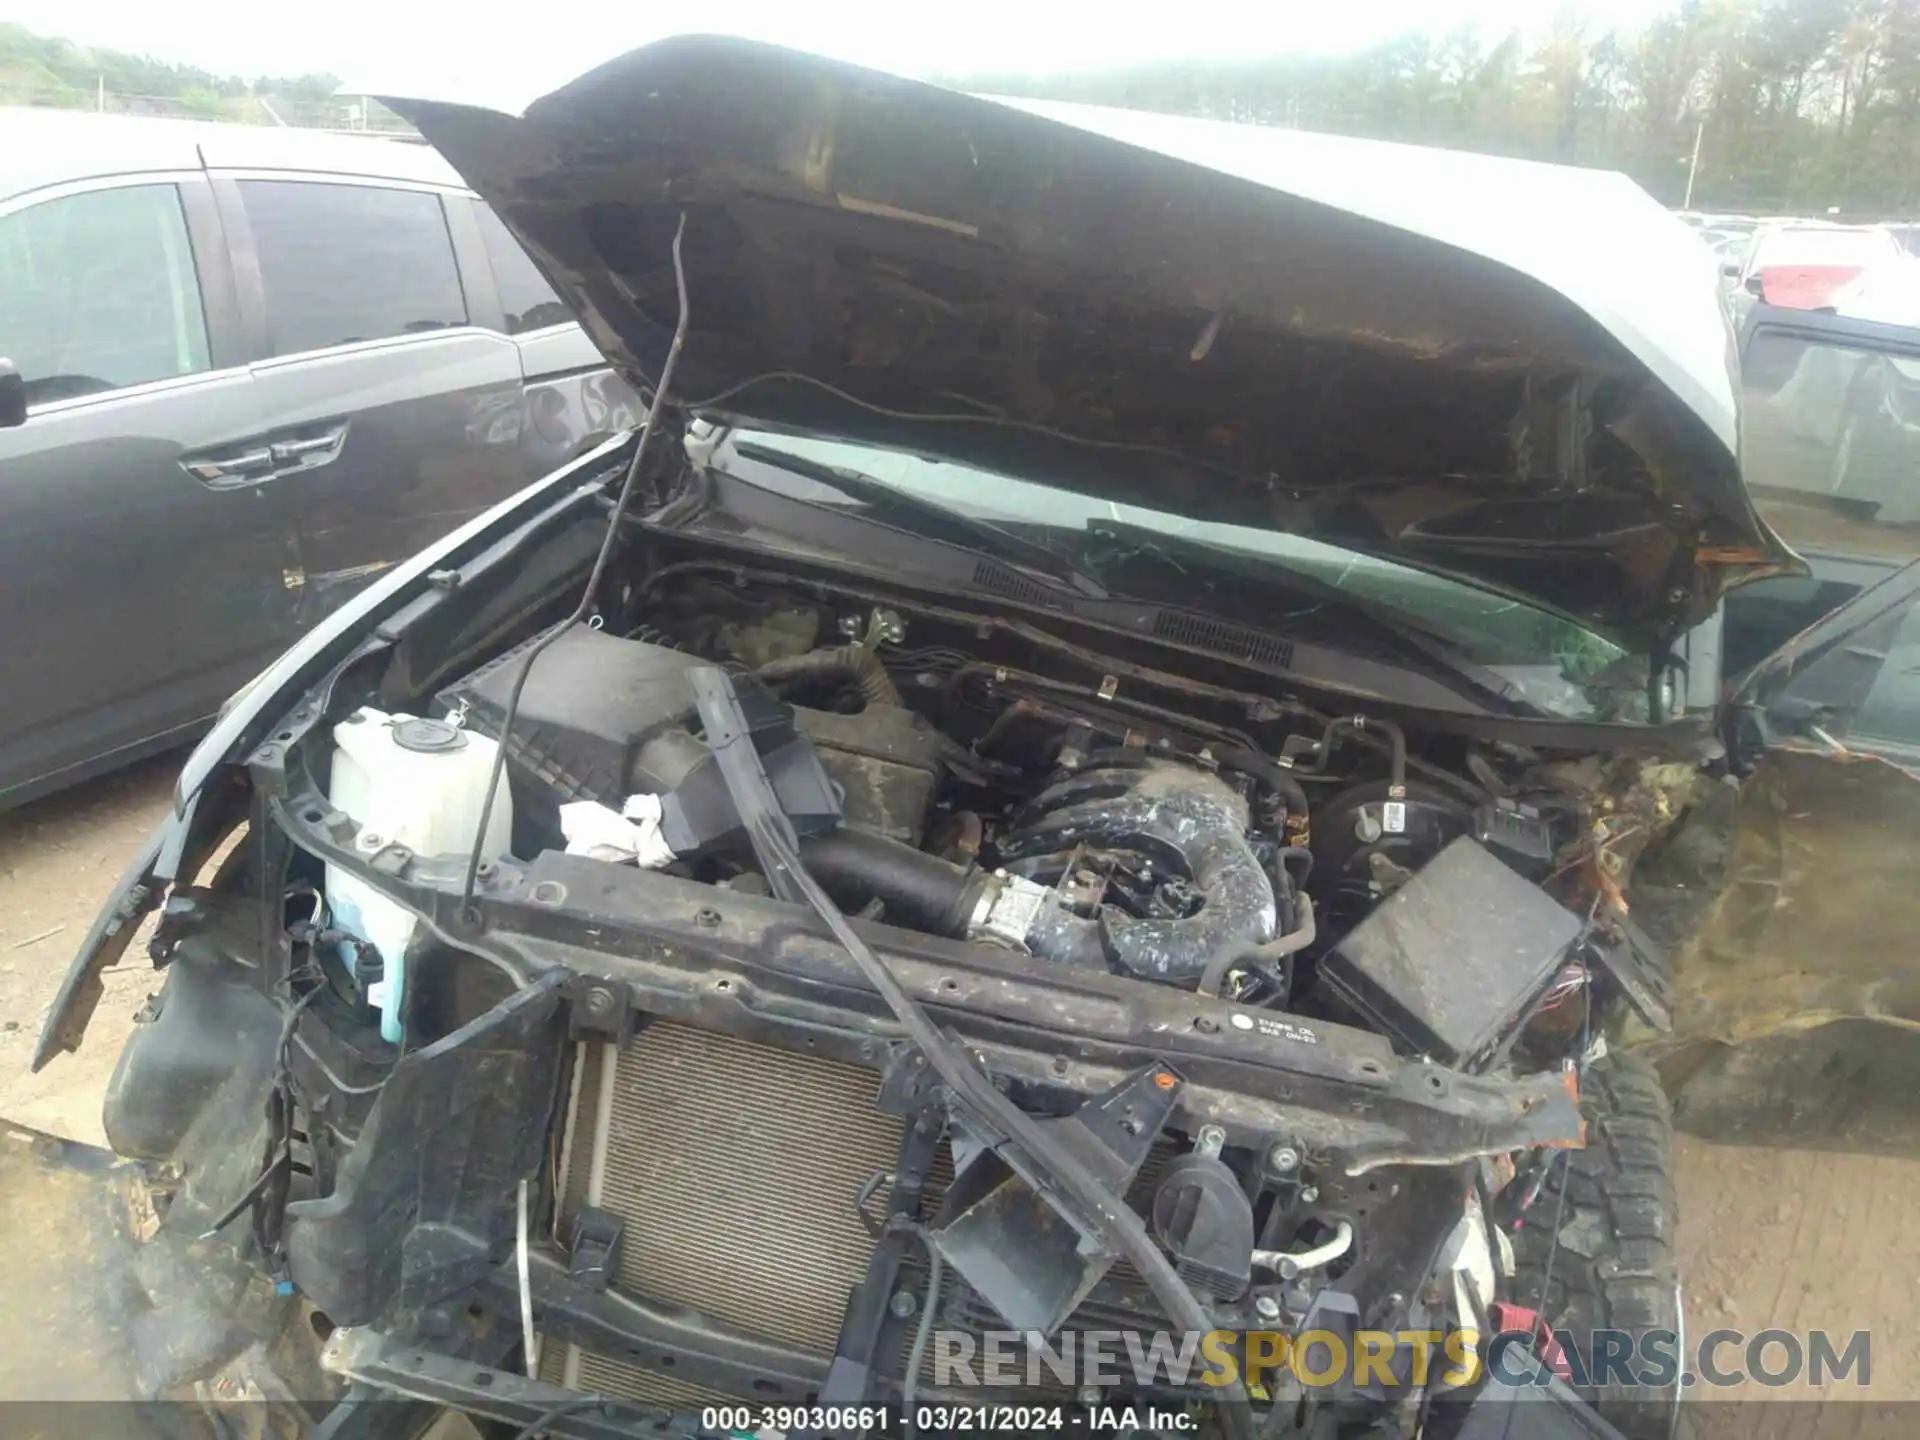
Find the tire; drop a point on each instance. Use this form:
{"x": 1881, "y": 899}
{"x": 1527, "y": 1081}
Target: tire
{"x": 1617, "y": 1264}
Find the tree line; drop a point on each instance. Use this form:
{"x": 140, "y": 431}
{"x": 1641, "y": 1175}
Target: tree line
{"x": 1798, "y": 106}
{"x": 45, "y": 70}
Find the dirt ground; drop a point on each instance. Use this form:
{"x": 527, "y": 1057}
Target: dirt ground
{"x": 1770, "y": 1238}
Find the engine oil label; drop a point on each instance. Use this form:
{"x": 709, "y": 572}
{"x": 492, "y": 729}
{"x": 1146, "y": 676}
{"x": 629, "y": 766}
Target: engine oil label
{"x": 1274, "y": 1028}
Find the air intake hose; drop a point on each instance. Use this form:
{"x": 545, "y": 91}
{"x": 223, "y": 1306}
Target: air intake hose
{"x": 1191, "y": 825}
{"x": 920, "y": 891}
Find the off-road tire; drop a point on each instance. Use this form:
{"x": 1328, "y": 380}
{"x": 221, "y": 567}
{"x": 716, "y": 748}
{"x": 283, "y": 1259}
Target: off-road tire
{"x": 1617, "y": 1266}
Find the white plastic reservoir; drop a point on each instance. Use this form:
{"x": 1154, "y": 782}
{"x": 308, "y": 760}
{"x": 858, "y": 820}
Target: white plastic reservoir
{"x": 410, "y": 781}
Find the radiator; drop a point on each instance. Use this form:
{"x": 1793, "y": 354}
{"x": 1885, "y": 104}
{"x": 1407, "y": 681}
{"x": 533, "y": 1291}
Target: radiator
{"x": 735, "y": 1167}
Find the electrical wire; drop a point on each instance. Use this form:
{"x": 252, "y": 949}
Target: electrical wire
{"x": 917, "y": 1356}
{"x": 647, "y": 428}
{"x": 276, "y": 1164}
{"x": 1566, "y": 1159}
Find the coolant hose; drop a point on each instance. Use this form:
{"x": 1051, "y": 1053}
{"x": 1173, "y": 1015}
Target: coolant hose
{"x": 1266, "y": 956}
{"x": 853, "y": 662}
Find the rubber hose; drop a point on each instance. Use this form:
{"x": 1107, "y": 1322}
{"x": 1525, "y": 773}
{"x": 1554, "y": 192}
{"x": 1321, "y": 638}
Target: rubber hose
{"x": 1275, "y": 777}
{"x": 921, "y": 891}
{"x": 855, "y": 662}
{"x": 1264, "y": 956}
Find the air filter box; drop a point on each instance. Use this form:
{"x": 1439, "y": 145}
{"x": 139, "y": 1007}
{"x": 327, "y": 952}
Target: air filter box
{"x": 1454, "y": 959}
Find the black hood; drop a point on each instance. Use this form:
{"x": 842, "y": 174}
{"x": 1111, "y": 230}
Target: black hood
{"x": 1155, "y": 311}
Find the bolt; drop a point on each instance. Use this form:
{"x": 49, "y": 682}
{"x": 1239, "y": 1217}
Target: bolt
{"x": 487, "y": 870}
{"x": 599, "y": 1002}
{"x": 1267, "y": 1308}
{"x": 1206, "y": 1024}
{"x": 1210, "y": 1140}
{"x": 1309, "y": 1194}
{"x": 1060, "y": 1065}
{"x": 1283, "y": 1160}
{"x": 903, "y": 1304}
{"x": 371, "y": 841}
{"x": 707, "y": 918}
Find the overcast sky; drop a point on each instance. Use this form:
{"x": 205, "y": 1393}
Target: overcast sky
{"x": 517, "y": 52}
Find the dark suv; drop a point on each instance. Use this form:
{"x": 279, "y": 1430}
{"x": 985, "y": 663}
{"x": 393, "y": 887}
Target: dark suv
{"x": 260, "y": 367}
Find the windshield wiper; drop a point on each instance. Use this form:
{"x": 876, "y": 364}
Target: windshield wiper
{"x": 1428, "y": 651}
{"x": 905, "y": 510}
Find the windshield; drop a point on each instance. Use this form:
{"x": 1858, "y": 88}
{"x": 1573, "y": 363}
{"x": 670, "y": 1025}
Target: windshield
{"x": 1550, "y": 663}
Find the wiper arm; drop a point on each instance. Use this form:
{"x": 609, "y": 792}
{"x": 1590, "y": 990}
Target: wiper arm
{"x": 881, "y": 497}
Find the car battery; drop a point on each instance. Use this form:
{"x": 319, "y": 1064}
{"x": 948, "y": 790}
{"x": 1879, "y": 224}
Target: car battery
{"x": 1454, "y": 960}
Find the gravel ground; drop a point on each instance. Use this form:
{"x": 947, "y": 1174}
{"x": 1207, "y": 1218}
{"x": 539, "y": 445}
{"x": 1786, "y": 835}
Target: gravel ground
{"x": 1769, "y": 1238}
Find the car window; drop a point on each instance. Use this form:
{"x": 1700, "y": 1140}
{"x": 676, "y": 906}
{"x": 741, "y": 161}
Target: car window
{"x": 347, "y": 263}
{"x": 526, "y": 297}
{"x": 98, "y": 292}
{"x": 1830, "y": 442}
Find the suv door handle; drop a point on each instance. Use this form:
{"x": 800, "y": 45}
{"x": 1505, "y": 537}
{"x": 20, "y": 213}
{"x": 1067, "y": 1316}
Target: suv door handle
{"x": 229, "y": 471}
{"x": 304, "y": 452}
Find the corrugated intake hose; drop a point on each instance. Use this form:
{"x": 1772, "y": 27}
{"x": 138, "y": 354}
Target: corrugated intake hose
{"x": 852, "y": 662}
{"x": 1192, "y": 826}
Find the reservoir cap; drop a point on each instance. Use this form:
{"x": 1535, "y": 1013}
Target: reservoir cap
{"x": 428, "y": 737}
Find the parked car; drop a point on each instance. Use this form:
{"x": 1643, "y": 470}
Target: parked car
{"x": 1831, "y": 450}
{"x": 1232, "y": 616}
{"x": 260, "y": 367}
{"x": 1802, "y": 264}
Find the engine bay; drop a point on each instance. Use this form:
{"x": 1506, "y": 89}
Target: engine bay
{"x": 1302, "y": 991}
{"x": 1067, "y": 821}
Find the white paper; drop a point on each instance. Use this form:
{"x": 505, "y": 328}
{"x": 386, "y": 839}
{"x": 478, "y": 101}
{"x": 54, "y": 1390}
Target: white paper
{"x": 631, "y": 837}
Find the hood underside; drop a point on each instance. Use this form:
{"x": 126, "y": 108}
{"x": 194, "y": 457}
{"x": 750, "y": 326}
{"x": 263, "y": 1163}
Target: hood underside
{"x": 1153, "y": 311}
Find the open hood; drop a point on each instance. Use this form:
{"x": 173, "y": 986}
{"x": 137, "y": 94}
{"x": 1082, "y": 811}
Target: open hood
{"x": 1519, "y": 375}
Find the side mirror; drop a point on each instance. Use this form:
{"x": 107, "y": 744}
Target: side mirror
{"x": 1756, "y": 287}
{"x": 13, "y": 396}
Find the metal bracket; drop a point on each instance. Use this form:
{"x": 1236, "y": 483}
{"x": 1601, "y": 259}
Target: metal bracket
{"x": 598, "y": 1009}
{"x": 1035, "y": 1262}
{"x": 1638, "y": 967}
{"x": 908, "y": 1084}
{"x": 595, "y": 1256}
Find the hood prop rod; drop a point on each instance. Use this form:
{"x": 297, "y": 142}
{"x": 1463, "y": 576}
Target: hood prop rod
{"x": 592, "y": 587}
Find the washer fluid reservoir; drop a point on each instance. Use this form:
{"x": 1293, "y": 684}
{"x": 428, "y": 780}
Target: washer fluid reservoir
{"x": 410, "y": 781}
